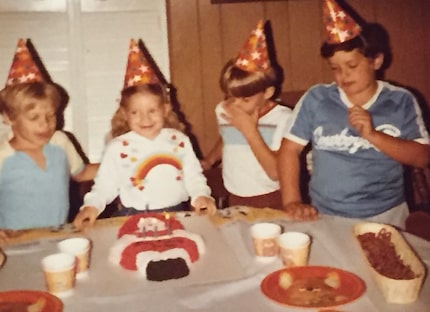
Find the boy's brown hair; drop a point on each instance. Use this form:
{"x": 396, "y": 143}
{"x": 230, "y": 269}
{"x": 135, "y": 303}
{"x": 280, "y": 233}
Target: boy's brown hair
{"x": 119, "y": 124}
{"x": 20, "y": 97}
{"x": 239, "y": 83}
{"x": 373, "y": 40}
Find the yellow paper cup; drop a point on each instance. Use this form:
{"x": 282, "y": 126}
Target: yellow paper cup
{"x": 294, "y": 248}
{"x": 80, "y": 247}
{"x": 264, "y": 237}
{"x": 59, "y": 271}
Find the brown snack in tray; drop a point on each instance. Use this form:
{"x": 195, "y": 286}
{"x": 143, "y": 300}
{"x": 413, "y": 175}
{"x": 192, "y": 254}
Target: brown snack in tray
{"x": 382, "y": 255}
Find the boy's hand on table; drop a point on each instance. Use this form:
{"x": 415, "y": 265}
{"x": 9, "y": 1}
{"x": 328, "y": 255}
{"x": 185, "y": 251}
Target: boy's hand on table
{"x": 4, "y": 237}
{"x": 7, "y": 234}
{"x": 299, "y": 211}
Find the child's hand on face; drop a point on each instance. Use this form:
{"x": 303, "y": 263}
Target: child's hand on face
{"x": 240, "y": 119}
{"x": 301, "y": 212}
{"x": 205, "y": 204}
{"x": 86, "y": 217}
{"x": 360, "y": 119}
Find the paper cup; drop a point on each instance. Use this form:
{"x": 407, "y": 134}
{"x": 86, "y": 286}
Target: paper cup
{"x": 264, "y": 238}
{"x": 294, "y": 248}
{"x": 79, "y": 247}
{"x": 59, "y": 271}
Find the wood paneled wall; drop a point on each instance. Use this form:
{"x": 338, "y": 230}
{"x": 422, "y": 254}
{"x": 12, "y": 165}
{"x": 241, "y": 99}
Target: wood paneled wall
{"x": 204, "y": 36}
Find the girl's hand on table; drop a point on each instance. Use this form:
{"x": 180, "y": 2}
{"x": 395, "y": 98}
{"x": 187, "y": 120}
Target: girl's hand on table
{"x": 202, "y": 203}
{"x": 86, "y": 217}
{"x": 301, "y": 212}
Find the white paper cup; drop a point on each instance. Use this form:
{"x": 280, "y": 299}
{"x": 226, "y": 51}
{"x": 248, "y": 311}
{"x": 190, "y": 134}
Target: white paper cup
{"x": 59, "y": 270}
{"x": 79, "y": 247}
{"x": 294, "y": 248}
{"x": 264, "y": 238}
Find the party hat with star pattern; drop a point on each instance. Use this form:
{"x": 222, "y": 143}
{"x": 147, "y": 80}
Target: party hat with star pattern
{"x": 340, "y": 26}
{"x": 253, "y": 57}
{"x": 141, "y": 69}
{"x": 24, "y": 68}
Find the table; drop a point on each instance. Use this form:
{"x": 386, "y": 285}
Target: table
{"x": 112, "y": 289}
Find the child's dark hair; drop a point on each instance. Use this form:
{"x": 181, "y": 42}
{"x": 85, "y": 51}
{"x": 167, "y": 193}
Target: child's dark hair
{"x": 373, "y": 40}
{"x": 239, "y": 83}
{"x": 119, "y": 123}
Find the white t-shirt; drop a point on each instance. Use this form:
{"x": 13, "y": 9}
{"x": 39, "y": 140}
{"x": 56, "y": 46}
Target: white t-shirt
{"x": 242, "y": 173}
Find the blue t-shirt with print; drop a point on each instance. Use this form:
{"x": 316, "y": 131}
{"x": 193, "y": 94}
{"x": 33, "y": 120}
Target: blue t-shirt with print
{"x": 350, "y": 177}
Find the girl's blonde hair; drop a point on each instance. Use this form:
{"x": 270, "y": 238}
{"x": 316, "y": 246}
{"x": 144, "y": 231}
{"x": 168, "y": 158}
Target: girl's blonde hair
{"x": 239, "y": 83}
{"x": 119, "y": 123}
{"x": 21, "y": 97}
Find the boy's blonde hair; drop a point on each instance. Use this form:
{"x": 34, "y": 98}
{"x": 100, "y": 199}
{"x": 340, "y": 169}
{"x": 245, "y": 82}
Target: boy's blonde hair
{"x": 239, "y": 83}
{"x": 20, "y": 98}
{"x": 119, "y": 123}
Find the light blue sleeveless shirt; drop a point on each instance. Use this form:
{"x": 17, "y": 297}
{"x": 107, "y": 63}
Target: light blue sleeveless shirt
{"x": 34, "y": 197}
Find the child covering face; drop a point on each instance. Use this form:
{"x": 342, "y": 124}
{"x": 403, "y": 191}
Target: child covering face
{"x": 362, "y": 131}
{"x": 149, "y": 164}
{"x": 251, "y": 125}
{"x": 37, "y": 162}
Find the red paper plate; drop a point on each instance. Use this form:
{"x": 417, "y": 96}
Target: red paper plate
{"x": 47, "y": 302}
{"x": 308, "y": 288}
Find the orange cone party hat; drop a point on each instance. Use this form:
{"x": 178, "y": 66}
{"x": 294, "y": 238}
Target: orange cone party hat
{"x": 340, "y": 26}
{"x": 23, "y": 68}
{"x": 139, "y": 70}
{"x": 253, "y": 56}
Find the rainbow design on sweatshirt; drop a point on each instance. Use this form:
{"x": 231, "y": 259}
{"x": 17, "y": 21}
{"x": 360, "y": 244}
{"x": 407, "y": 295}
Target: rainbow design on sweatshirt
{"x": 151, "y": 162}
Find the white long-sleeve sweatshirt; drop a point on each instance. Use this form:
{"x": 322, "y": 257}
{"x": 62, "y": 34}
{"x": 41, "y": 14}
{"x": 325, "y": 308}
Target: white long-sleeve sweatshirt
{"x": 148, "y": 174}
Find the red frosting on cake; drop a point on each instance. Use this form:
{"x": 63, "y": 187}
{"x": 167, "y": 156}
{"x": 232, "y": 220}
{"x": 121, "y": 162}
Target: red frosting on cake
{"x": 128, "y": 256}
{"x": 131, "y": 225}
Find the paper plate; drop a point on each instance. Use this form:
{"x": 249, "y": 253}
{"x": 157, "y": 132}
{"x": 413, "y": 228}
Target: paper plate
{"x": 308, "y": 288}
{"x": 44, "y": 301}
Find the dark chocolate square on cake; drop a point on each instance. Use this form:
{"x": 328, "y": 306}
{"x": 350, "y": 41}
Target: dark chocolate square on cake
{"x": 167, "y": 269}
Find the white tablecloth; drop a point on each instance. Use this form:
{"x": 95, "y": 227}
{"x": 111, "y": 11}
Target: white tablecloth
{"x": 232, "y": 284}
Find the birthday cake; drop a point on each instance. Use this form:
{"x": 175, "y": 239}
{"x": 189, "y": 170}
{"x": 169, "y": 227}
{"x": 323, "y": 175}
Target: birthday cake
{"x": 156, "y": 245}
